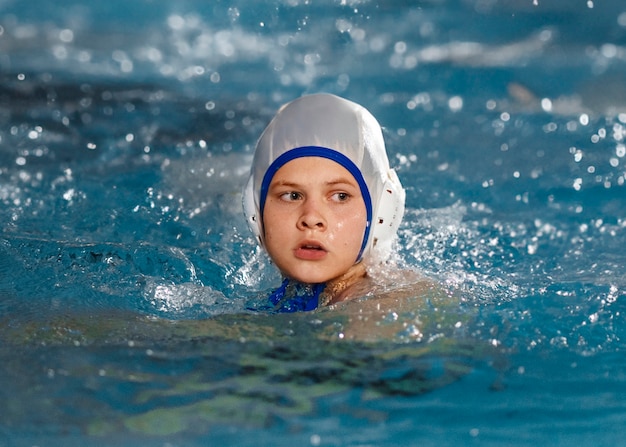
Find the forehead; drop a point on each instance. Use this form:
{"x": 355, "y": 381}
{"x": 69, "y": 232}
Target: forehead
{"x": 313, "y": 169}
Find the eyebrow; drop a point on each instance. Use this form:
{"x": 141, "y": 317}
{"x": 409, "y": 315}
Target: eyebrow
{"x": 333, "y": 182}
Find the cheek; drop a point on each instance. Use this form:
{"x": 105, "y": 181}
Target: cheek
{"x": 269, "y": 219}
{"x": 351, "y": 229}
{"x": 274, "y": 227}
{"x": 269, "y": 229}
{"x": 271, "y": 240}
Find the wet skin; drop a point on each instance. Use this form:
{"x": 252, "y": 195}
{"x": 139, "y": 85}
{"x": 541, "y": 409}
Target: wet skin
{"x": 314, "y": 221}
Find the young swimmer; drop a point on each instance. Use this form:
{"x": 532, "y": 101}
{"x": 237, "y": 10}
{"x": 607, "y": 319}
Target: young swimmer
{"x": 323, "y": 201}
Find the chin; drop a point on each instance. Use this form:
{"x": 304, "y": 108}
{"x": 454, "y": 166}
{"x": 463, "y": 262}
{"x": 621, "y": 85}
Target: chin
{"x": 309, "y": 279}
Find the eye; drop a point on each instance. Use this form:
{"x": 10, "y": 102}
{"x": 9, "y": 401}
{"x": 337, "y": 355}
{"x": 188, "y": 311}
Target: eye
{"x": 341, "y": 197}
{"x": 291, "y": 196}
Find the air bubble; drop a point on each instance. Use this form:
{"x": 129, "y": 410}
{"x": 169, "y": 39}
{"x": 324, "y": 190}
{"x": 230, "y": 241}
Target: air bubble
{"x": 66, "y": 35}
{"x": 455, "y": 103}
{"x": 583, "y": 119}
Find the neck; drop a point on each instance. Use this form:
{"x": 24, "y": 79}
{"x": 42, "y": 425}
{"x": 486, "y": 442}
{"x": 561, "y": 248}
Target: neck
{"x": 342, "y": 287}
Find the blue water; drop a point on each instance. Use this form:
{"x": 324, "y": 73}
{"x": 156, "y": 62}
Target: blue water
{"x": 127, "y": 271}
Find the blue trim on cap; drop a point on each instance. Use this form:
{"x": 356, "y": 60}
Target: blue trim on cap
{"x": 324, "y": 152}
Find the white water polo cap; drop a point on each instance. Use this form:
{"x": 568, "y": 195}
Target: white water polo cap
{"x": 331, "y": 127}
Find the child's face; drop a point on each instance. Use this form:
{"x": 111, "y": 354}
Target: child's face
{"x": 314, "y": 220}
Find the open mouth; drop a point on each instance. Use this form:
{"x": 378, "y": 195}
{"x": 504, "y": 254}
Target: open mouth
{"x": 310, "y": 251}
{"x": 311, "y": 247}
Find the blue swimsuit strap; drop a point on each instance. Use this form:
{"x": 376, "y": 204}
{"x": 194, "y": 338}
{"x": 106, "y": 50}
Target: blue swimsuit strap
{"x": 306, "y": 297}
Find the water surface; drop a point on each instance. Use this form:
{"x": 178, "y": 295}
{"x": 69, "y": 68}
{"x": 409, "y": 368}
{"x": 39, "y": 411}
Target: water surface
{"x": 127, "y": 271}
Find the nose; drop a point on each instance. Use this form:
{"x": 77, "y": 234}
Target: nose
{"x": 311, "y": 217}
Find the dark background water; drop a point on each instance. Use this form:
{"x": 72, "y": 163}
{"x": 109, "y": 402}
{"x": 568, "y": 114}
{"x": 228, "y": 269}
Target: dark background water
{"x": 126, "y": 131}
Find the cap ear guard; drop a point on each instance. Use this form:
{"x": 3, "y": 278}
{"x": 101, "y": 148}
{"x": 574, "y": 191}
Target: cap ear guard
{"x": 251, "y": 212}
{"x": 387, "y": 216}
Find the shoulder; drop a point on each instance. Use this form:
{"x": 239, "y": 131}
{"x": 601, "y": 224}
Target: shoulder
{"x": 397, "y": 290}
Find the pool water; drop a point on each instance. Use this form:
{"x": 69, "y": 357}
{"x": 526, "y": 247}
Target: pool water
{"x": 128, "y": 278}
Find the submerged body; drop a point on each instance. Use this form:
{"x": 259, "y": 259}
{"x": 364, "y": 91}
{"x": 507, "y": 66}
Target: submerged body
{"x": 242, "y": 370}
